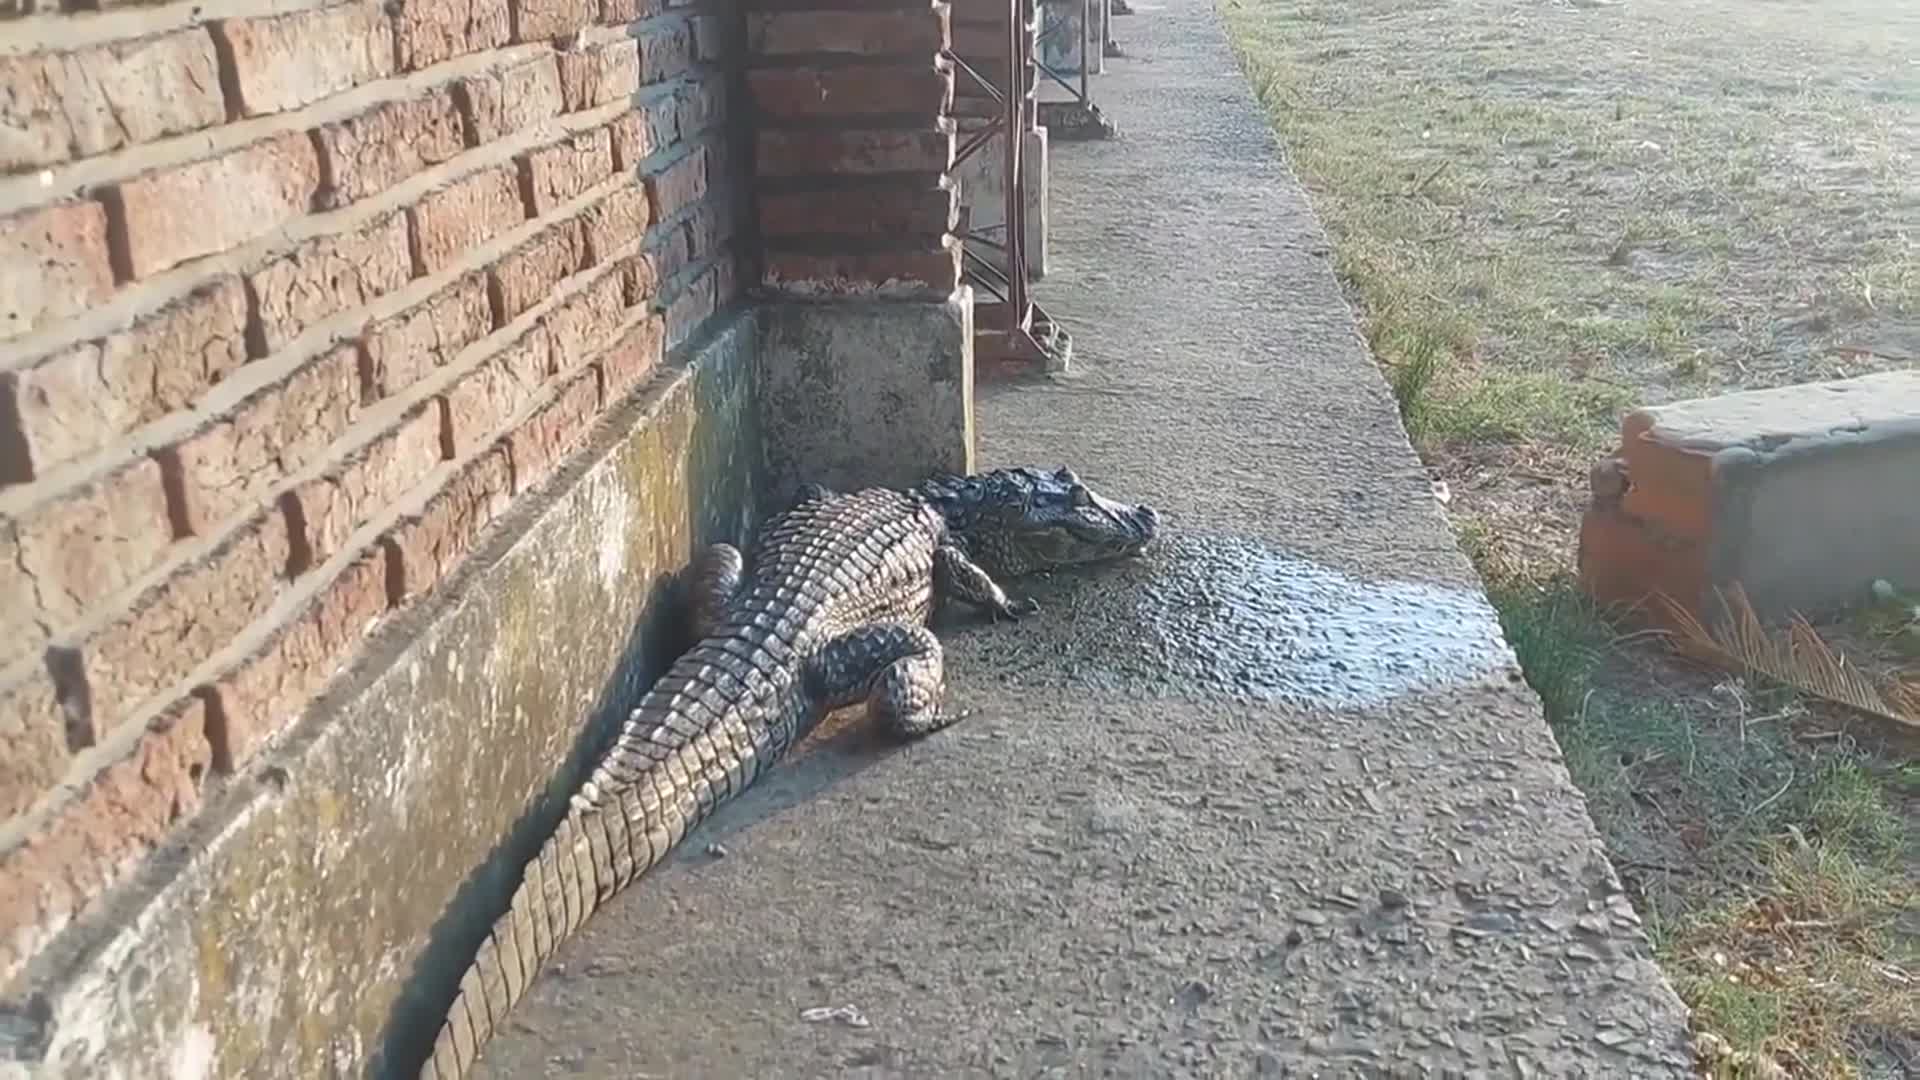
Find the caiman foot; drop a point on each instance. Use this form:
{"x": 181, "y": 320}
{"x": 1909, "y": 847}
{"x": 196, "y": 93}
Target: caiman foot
{"x": 898, "y": 667}
{"x": 957, "y": 576}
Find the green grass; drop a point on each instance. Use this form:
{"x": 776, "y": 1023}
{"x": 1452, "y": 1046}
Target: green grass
{"x": 1774, "y": 874}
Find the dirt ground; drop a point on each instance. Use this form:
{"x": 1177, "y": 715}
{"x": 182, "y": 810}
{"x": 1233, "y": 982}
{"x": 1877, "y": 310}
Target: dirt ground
{"x": 1546, "y": 212}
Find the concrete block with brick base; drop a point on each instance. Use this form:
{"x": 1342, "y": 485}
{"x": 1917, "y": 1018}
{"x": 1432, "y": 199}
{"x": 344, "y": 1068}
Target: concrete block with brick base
{"x": 1802, "y": 495}
{"x": 308, "y": 921}
{"x": 865, "y": 392}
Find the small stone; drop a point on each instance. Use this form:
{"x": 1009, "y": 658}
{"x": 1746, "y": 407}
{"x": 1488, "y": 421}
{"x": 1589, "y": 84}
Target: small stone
{"x": 1310, "y": 917}
{"x": 1295, "y": 937}
{"x": 717, "y": 851}
{"x": 1393, "y": 899}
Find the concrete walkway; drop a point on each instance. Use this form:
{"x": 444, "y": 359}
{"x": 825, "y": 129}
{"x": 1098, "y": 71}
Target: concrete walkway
{"x": 1269, "y": 802}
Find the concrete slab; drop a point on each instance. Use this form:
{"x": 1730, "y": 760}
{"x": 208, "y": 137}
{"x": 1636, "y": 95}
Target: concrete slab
{"x": 1271, "y": 801}
{"x": 1802, "y": 495}
{"x": 857, "y": 392}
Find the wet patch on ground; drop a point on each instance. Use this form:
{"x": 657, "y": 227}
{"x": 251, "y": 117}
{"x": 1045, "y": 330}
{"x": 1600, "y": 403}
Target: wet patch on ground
{"x": 1218, "y": 615}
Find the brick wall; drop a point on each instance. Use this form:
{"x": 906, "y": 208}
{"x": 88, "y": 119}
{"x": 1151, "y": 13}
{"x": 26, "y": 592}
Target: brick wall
{"x": 854, "y": 147}
{"x": 293, "y": 303}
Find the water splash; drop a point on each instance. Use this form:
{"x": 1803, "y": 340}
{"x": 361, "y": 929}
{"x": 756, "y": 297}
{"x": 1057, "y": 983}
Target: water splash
{"x": 1228, "y": 616}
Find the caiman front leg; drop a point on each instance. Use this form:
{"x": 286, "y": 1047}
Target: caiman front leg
{"x": 714, "y": 578}
{"x": 898, "y": 668}
{"x": 961, "y": 578}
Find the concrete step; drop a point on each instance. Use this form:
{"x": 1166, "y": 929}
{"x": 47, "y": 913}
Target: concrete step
{"x": 1802, "y": 495}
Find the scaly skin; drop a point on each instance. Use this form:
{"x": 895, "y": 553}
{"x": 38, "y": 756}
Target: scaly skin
{"x": 833, "y": 613}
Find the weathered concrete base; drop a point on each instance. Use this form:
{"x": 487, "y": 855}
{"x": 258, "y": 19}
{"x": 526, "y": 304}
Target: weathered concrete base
{"x": 310, "y": 923}
{"x": 983, "y": 191}
{"x": 1076, "y": 121}
{"x": 1802, "y": 495}
{"x": 855, "y": 393}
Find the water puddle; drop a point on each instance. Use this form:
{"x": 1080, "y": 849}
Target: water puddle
{"x": 1223, "y": 615}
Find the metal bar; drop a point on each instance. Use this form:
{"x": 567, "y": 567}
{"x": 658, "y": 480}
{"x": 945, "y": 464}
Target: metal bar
{"x": 1086, "y": 43}
{"x": 980, "y": 81}
{"x": 976, "y": 142}
{"x": 1019, "y": 51}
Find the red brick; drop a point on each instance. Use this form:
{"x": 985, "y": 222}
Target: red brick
{"x": 1628, "y": 560}
{"x": 261, "y": 695}
{"x": 328, "y": 508}
{"x": 527, "y": 275}
{"x": 833, "y": 151}
{"x": 616, "y": 12}
{"x": 161, "y": 218}
{"x": 814, "y": 92}
{"x": 920, "y": 31}
{"x": 562, "y": 170}
{"x": 585, "y": 322}
{"x": 22, "y": 631}
{"x": 499, "y": 103}
{"x": 616, "y": 223}
{"x": 665, "y": 52}
{"x": 639, "y": 278}
{"x": 55, "y": 107}
{"x": 81, "y": 545}
{"x": 369, "y": 153}
{"x": 34, "y": 742}
{"x": 643, "y": 131}
{"x": 596, "y": 74}
{"x": 701, "y": 105}
{"x": 668, "y": 251}
{"x": 99, "y": 837}
{"x": 544, "y": 20}
{"x": 708, "y": 229}
{"x": 462, "y": 215}
{"x": 556, "y": 426}
{"x": 54, "y": 262}
{"x": 281, "y": 62}
{"x": 173, "y": 626}
{"x": 80, "y": 399}
{"x": 403, "y": 348}
{"x": 427, "y": 546}
{"x": 920, "y": 211}
{"x": 632, "y": 359}
{"x": 478, "y": 405}
{"x": 425, "y": 32}
{"x": 328, "y": 275}
{"x": 679, "y": 184}
{"x": 228, "y": 465}
{"x": 932, "y": 274}
{"x": 689, "y": 309}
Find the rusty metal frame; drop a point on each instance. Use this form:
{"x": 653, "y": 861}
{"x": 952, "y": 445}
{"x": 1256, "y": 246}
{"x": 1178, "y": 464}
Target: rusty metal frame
{"x": 1005, "y": 338}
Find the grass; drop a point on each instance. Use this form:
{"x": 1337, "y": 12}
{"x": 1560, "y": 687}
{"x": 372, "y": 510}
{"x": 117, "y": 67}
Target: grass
{"x": 1545, "y": 213}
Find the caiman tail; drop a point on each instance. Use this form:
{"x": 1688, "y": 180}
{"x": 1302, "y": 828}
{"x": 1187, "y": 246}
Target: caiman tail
{"x": 696, "y": 738}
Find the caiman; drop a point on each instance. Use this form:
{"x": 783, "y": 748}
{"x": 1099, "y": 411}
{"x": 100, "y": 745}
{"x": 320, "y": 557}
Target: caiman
{"x": 834, "y": 612}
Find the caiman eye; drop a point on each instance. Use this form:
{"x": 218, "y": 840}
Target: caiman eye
{"x": 1080, "y": 495}
{"x": 1065, "y": 475}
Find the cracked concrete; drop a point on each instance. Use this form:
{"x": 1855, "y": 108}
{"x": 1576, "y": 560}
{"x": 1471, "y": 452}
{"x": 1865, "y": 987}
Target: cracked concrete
{"x": 1192, "y": 827}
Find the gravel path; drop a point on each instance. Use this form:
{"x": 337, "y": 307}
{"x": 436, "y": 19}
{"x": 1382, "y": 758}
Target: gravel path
{"x": 1272, "y": 801}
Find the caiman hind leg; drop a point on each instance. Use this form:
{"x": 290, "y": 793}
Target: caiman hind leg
{"x": 958, "y": 577}
{"x": 897, "y": 668}
{"x": 712, "y": 582}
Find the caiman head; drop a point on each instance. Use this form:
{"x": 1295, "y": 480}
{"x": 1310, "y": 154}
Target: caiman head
{"x": 1014, "y": 521}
